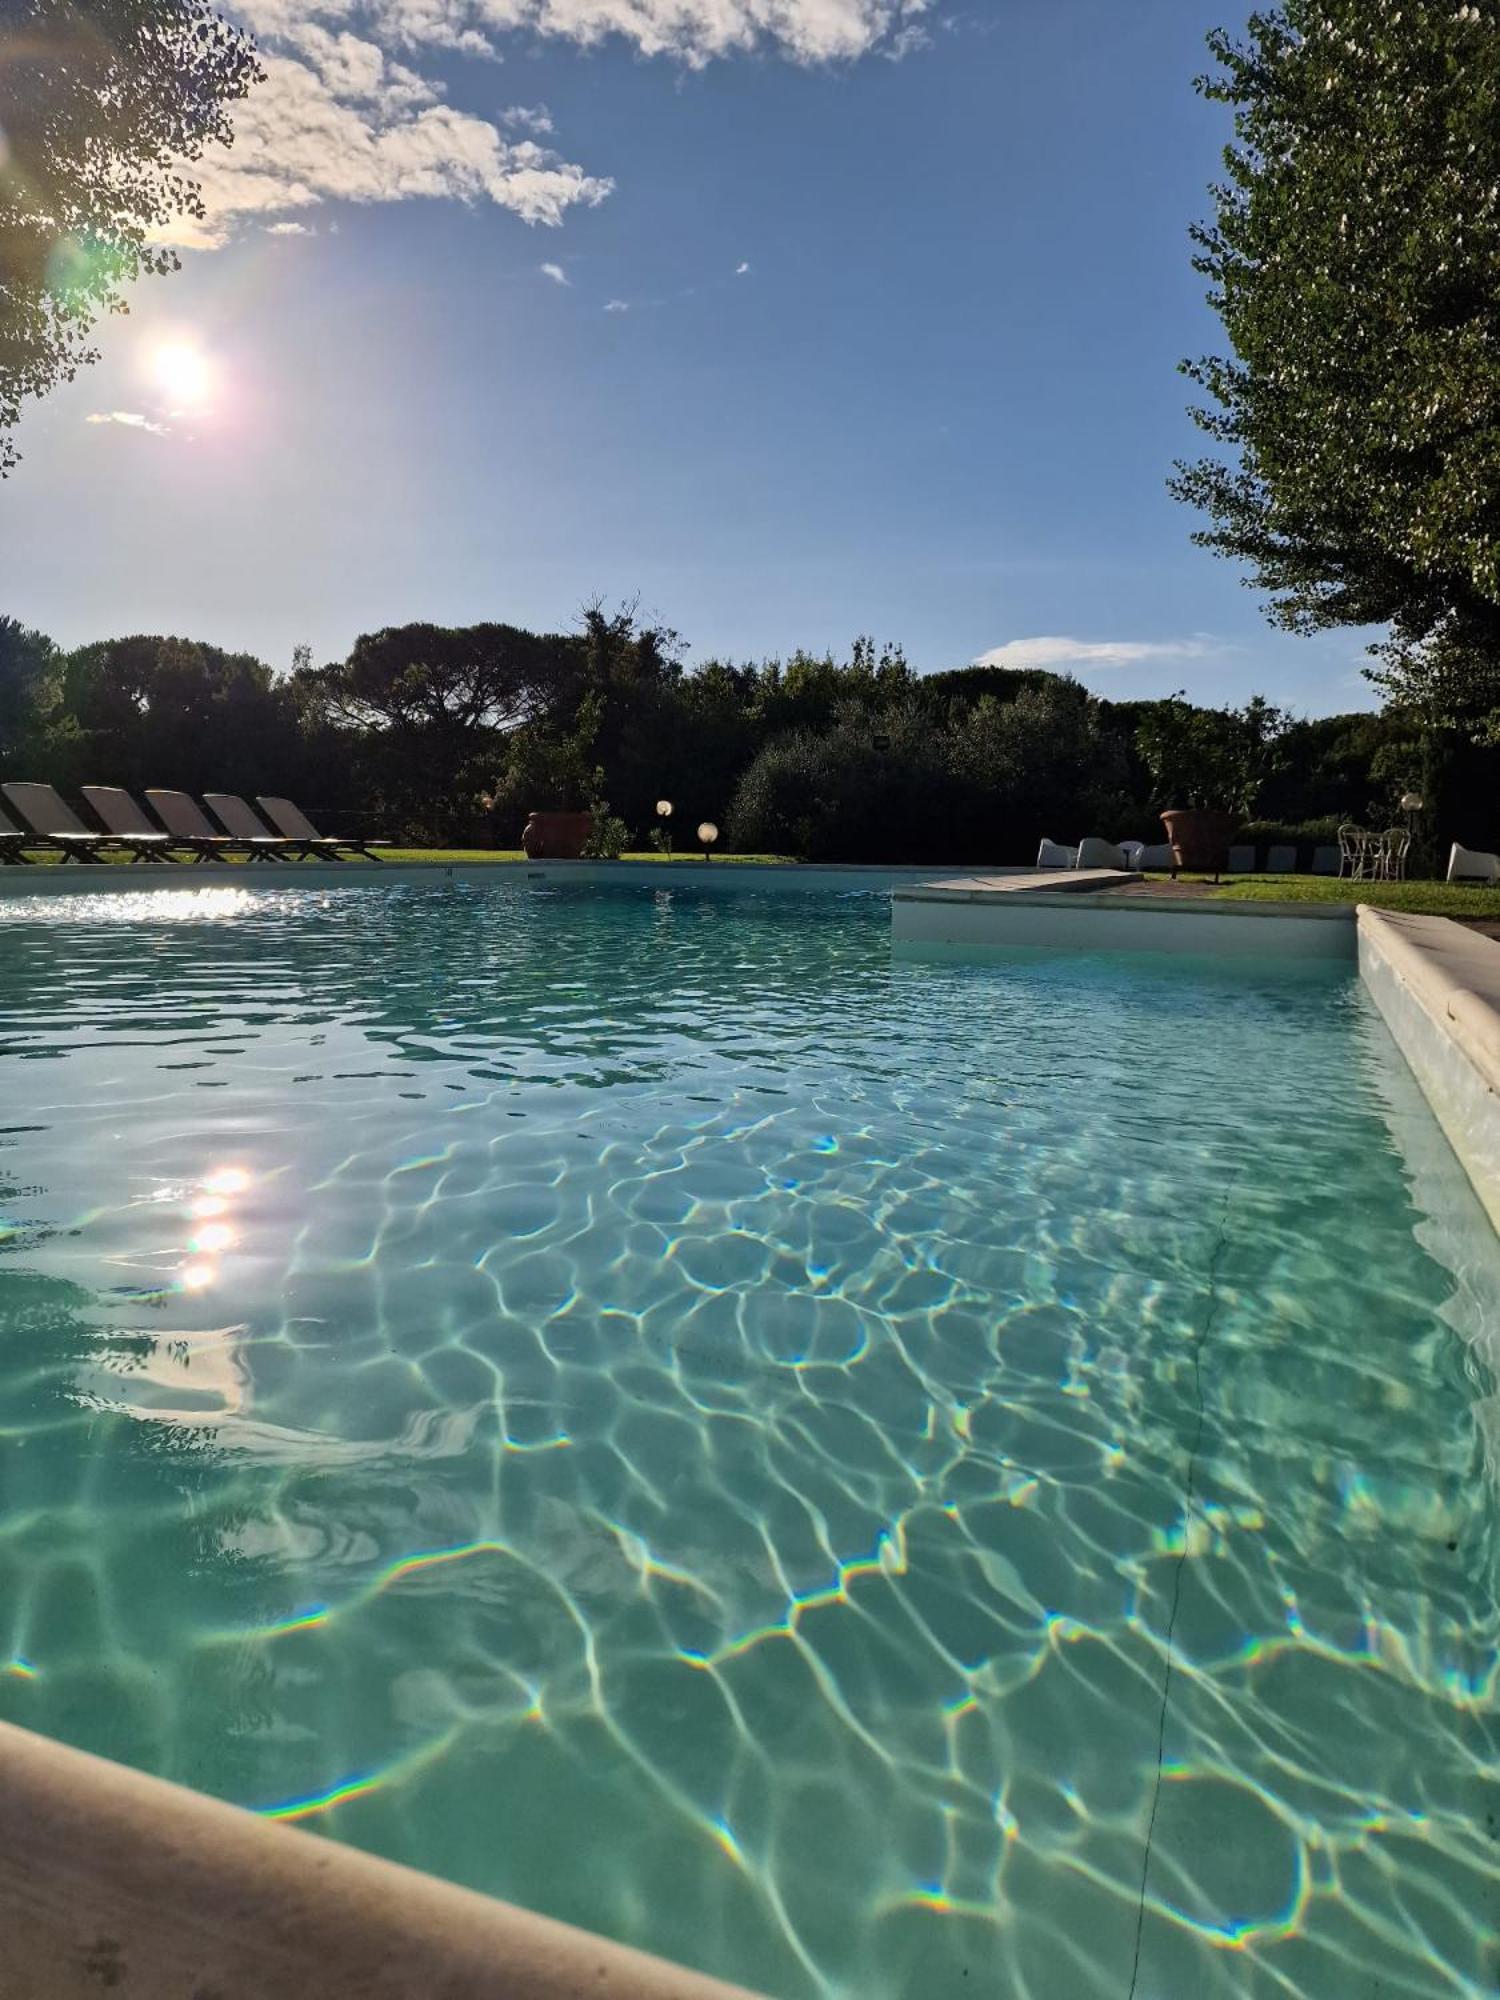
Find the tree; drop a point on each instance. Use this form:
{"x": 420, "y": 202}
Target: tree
{"x": 1355, "y": 263}
{"x": 153, "y": 710}
{"x": 101, "y": 104}
{"x": 436, "y": 707}
{"x": 30, "y": 685}
{"x": 1215, "y": 757}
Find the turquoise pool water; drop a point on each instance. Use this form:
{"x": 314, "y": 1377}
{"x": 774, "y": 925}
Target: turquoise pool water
{"x": 875, "y": 1480}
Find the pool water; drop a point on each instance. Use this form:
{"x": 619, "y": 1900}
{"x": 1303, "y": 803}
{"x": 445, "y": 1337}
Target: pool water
{"x": 871, "y": 1479}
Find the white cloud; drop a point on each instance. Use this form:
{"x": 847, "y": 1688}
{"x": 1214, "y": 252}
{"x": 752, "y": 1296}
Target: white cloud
{"x": 556, "y": 273}
{"x": 533, "y": 118}
{"x": 131, "y": 419}
{"x": 741, "y": 270}
{"x": 289, "y": 229}
{"x": 617, "y": 305}
{"x": 338, "y": 120}
{"x": 341, "y": 118}
{"x": 1059, "y": 652}
{"x": 692, "y": 31}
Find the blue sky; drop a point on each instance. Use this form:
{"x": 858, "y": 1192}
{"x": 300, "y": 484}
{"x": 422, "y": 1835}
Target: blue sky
{"x": 862, "y": 316}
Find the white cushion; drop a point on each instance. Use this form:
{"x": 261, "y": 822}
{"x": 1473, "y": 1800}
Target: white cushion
{"x": 1097, "y": 853}
{"x": 1471, "y": 863}
{"x": 1051, "y": 855}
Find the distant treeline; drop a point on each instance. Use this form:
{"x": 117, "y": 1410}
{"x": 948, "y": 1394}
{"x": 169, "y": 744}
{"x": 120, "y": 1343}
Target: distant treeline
{"x": 451, "y": 736}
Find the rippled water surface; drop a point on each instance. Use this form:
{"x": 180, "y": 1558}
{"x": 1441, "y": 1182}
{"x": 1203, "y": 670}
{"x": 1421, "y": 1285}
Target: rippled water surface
{"x": 873, "y": 1479}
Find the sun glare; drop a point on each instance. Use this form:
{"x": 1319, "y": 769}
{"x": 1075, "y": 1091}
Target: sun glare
{"x": 181, "y": 372}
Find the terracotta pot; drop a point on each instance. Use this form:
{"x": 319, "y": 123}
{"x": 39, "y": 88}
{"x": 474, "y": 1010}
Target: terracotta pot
{"x": 1200, "y": 839}
{"x": 556, "y": 836}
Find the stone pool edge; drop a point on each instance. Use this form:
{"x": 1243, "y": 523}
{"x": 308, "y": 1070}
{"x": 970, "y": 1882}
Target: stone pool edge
{"x": 980, "y": 916}
{"x": 113, "y": 1879}
{"x": 1437, "y": 987}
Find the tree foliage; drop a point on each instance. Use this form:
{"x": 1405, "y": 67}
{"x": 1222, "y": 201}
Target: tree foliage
{"x": 102, "y": 102}
{"x": 31, "y": 672}
{"x": 1217, "y": 757}
{"x": 1354, "y": 260}
{"x": 451, "y": 737}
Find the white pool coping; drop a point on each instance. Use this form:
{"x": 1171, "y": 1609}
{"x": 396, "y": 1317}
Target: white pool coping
{"x": 1437, "y": 986}
{"x": 110, "y": 1879}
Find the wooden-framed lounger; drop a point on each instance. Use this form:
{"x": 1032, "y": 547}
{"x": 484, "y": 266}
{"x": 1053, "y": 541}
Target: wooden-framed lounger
{"x": 290, "y": 819}
{"x": 182, "y": 815}
{"x": 118, "y": 811}
{"x": 55, "y": 824}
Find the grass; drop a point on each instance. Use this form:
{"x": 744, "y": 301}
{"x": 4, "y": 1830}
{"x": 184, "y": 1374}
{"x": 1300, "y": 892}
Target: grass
{"x": 1426, "y": 899}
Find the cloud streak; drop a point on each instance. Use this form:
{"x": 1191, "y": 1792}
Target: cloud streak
{"x": 131, "y": 419}
{"x": 1058, "y": 652}
{"x": 556, "y": 273}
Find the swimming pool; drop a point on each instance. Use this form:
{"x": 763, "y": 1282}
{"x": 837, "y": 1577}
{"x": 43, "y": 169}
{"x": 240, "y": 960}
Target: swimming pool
{"x": 872, "y": 1479}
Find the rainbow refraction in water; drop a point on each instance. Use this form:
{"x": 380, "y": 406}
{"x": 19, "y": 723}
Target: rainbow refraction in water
{"x": 873, "y": 1479}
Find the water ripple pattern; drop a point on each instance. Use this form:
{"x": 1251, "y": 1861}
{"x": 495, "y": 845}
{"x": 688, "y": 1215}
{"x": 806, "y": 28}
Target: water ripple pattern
{"x": 878, "y": 1480}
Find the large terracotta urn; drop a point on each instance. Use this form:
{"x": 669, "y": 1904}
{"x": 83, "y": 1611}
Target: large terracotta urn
{"x": 556, "y": 836}
{"x": 1200, "y": 839}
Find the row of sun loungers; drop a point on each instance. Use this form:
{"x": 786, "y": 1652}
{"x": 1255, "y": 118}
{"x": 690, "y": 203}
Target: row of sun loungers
{"x": 181, "y": 831}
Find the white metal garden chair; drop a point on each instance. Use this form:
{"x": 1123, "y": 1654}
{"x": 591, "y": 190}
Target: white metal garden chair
{"x": 1356, "y": 853}
{"x": 1390, "y": 859}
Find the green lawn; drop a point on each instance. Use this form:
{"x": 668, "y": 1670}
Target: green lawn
{"x": 1429, "y": 899}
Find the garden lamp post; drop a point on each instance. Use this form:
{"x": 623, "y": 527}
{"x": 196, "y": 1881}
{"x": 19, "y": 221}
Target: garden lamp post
{"x": 664, "y": 813}
{"x": 1412, "y": 804}
{"x": 708, "y": 833}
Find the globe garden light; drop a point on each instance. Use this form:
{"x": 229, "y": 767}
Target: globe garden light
{"x": 1412, "y": 802}
{"x": 708, "y": 833}
{"x": 664, "y": 811}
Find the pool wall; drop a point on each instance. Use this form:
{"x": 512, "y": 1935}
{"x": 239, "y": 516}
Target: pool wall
{"x": 1437, "y": 985}
{"x": 975, "y": 917}
{"x": 112, "y": 1880}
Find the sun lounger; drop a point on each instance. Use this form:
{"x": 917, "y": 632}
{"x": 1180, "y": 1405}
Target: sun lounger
{"x": 1470, "y": 864}
{"x": 182, "y": 815}
{"x": 120, "y": 813}
{"x": 295, "y": 824}
{"x": 12, "y": 842}
{"x": 1051, "y": 855}
{"x": 246, "y": 824}
{"x": 56, "y": 824}
{"x": 1096, "y": 853}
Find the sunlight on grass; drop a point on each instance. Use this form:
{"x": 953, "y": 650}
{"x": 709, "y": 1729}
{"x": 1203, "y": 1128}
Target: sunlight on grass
{"x": 1434, "y": 899}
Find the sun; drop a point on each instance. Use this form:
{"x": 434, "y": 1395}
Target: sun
{"x": 181, "y": 372}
